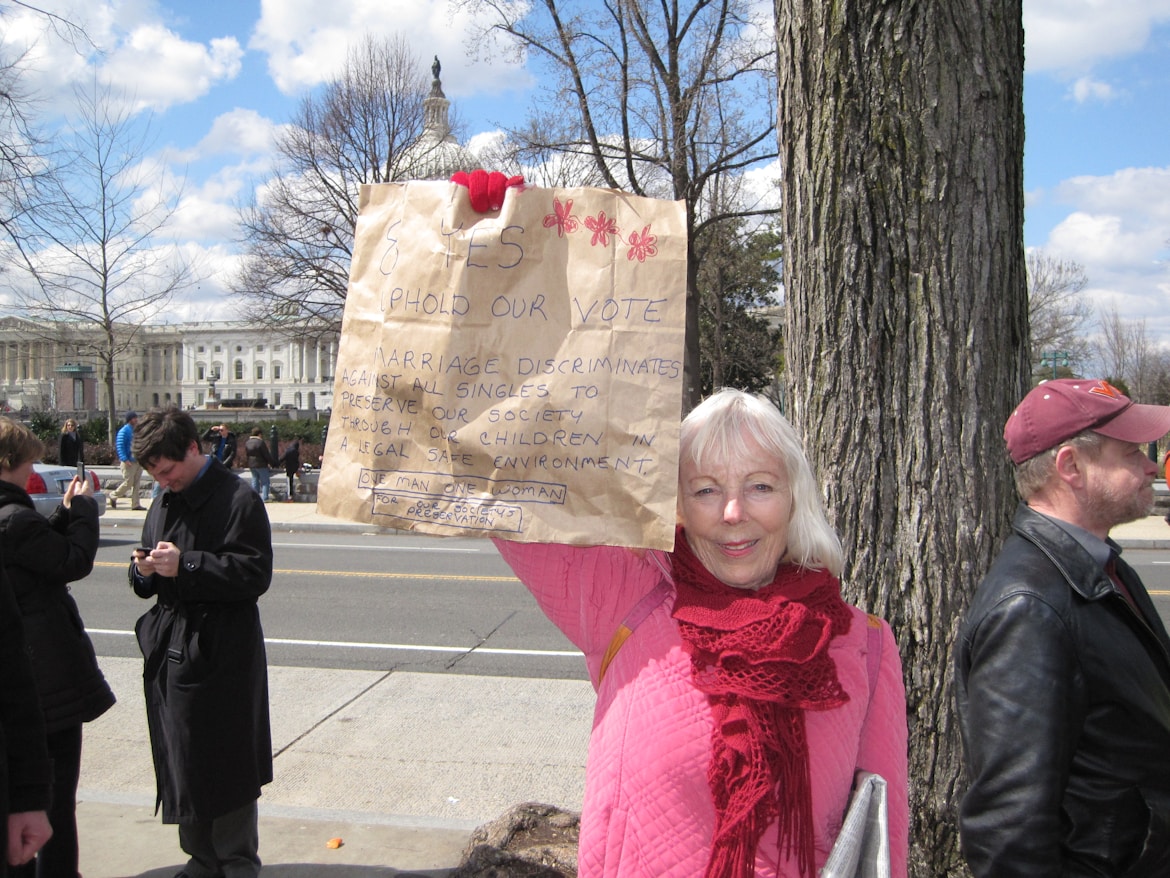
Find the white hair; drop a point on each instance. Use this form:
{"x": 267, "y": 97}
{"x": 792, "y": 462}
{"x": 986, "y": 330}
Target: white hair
{"x": 717, "y": 431}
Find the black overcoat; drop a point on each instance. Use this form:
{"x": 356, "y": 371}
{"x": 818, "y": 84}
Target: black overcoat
{"x": 206, "y": 674}
{"x": 41, "y": 557}
{"x": 25, "y": 770}
{"x": 70, "y": 449}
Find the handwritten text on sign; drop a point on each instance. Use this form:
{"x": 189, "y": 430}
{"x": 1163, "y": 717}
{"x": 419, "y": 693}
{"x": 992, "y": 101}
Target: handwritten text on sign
{"x": 515, "y": 374}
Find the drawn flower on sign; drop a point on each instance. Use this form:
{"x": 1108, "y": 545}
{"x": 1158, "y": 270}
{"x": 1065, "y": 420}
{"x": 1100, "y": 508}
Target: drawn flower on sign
{"x": 562, "y": 217}
{"x": 642, "y": 245}
{"x": 602, "y": 227}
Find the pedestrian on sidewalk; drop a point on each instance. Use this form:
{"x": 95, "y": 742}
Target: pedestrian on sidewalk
{"x": 209, "y": 558}
{"x": 1166, "y": 472}
{"x": 131, "y": 471}
{"x": 41, "y": 557}
{"x": 70, "y": 446}
{"x": 291, "y": 459}
{"x": 259, "y": 461}
{"x": 1061, "y": 665}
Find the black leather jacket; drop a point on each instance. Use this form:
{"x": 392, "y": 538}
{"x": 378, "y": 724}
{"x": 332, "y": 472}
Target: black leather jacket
{"x": 1063, "y": 692}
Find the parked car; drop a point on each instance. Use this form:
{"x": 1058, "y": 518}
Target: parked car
{"x": 48, "y": 482}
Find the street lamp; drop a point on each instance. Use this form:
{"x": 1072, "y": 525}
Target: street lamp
{"x": 1055, "y": 358}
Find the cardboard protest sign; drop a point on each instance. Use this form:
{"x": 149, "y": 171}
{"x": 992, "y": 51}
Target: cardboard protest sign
{"x": 514, "y": 374}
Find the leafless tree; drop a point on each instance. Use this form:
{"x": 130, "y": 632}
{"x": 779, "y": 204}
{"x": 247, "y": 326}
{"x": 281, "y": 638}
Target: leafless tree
{"x": 539, "y": 164}
{"x": 97, "y": 254}
{"x": 24, "y": 164}
{"x": 19, "y": 161}
{"x": 298, "y": 233}
{"x": 901, "y": 137}
{"x": 738, "y": 274}
{"x": 1057, "y": 312}
{"x": 1129, "y": 356}
{"x": 668, "y": 97}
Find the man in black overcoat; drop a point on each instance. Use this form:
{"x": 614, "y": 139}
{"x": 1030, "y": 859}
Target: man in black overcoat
{"x": 209, "y": 559}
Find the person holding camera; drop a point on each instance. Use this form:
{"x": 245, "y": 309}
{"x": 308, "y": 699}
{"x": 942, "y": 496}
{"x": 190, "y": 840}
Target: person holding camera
{"x": 41, "y": 557}
{"x": 223, "y": 444}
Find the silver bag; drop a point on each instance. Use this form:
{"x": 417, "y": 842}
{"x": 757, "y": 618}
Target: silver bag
{"x": 862, "y": 849}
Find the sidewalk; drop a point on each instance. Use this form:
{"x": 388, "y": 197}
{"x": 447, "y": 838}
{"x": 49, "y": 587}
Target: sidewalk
{"x": 400, "y": 766}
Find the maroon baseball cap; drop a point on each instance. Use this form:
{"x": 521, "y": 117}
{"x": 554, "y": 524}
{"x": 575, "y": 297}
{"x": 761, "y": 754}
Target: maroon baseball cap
{"x": 1058, "y": 410}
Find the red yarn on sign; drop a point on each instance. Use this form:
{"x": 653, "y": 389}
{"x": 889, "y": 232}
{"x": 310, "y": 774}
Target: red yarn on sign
{"x": 486, "y": 188}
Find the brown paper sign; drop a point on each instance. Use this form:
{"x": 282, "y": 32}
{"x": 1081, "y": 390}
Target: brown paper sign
{"x": 514, "y": 374}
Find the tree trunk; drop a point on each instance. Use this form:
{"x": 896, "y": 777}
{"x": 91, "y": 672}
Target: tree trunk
{"x": 112, "y": 414}
{"x": 901, "y": 140}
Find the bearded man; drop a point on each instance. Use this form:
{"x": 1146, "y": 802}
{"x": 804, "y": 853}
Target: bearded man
{"x": 1062, "y": 665}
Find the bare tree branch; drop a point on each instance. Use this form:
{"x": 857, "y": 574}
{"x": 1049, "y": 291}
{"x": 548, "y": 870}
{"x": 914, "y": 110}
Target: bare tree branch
{"x": 298, "y": 232}
{"x": 96, "y": 247}
{"x": 669, "y": 98}
{"x": 1057, "y": 312}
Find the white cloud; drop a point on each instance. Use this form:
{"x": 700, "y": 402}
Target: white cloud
{"x": 126, "y": 44}
{"x": 1142, "y": 193}
{"x": 762, "y": 186}
{"x": 1119, "y": 230}
{"x": 1088, "y": 89}
{"x": 211, "y": 297}
{"x": 1068, "y": 37}
{"x": 159, "y": 68}
{"x": 306, "y": 48}
{"x": 240, "y": 132}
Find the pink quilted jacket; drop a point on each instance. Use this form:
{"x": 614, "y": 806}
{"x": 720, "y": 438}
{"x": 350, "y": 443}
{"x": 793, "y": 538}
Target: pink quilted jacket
{"x": 647, "y": 808}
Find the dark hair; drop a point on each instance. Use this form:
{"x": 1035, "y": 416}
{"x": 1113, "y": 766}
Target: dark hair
{"x": 256, "y": 431}
{"x": 165, "y": 434}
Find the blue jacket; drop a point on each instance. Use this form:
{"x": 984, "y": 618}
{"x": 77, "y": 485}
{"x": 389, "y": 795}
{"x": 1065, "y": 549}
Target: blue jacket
{"x": 123, "y": 441}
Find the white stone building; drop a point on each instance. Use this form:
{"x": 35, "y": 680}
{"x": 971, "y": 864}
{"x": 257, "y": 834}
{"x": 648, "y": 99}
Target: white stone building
{"x": 186, "y": 364}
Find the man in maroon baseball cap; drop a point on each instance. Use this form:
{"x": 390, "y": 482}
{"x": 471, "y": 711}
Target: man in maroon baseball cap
{"x": 1062, "y": 666}
{"x": 1058, "y": 410}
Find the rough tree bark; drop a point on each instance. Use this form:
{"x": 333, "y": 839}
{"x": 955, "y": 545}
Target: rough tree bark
{"x": 901, "y": 139}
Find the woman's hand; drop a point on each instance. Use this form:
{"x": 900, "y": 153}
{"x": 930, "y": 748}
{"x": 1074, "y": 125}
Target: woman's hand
{"x": 78, "y": 487}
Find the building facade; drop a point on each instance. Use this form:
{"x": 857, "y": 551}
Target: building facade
{"x": 52, "y": 367}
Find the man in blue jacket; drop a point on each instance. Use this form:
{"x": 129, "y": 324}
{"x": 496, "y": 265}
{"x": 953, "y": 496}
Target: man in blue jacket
{"x": 131, "y": 471}
{"x": 1062, "y": 665}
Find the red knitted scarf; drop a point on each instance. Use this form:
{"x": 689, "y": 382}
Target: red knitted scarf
{"x": 762, "y": 658}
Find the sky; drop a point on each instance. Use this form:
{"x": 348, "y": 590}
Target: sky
{"x": 219, "y": 77}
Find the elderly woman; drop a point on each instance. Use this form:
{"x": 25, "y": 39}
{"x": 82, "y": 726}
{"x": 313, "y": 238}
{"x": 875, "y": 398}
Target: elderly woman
{"x": 41, "y": 557}
{"x": 731, "y": 720}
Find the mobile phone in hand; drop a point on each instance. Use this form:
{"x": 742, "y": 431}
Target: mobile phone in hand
{"x": 81, "y": 470}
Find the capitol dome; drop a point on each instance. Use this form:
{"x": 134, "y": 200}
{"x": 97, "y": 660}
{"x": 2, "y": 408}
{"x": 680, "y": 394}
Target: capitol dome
{"x": 436, "y": 155}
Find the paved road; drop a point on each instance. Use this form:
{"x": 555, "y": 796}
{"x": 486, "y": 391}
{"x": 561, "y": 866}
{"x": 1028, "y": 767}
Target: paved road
{"x": 373, "y": 602}
{"x": 400, "y": 764}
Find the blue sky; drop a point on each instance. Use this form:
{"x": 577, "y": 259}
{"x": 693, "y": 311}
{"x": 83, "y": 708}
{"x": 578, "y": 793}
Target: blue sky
{"x": 221, "y": 75}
